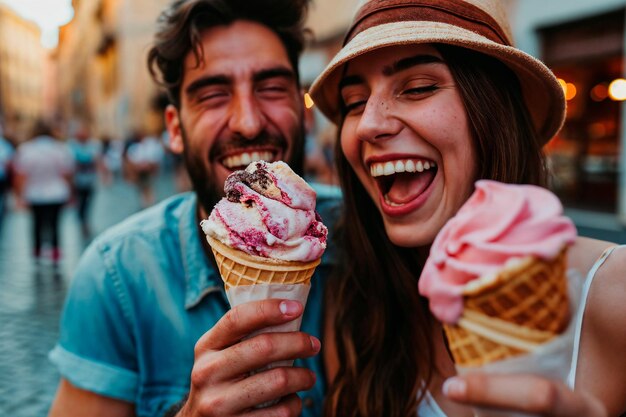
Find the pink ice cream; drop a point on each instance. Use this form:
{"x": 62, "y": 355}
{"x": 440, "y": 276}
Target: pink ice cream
{"x": 268, "y": 211}
{"x": 499, "y": 224}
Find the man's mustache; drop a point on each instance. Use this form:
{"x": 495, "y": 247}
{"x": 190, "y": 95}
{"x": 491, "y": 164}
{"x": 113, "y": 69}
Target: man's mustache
{"x": 264, "y": 139}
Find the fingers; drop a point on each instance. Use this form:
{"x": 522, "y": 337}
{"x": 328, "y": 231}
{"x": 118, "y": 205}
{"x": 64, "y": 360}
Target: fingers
{"x": 247, "y": 318}
{"x": 271, "y": 385}
{"x": 255, "y": 353}
{"x": 525, "y": 393}
{"x": 244, "y": 395}
{"x": 288, "y": 406}
{"x": 221, "y": 384}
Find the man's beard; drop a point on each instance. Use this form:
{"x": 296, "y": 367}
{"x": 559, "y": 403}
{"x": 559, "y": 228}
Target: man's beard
{"x": 207, "y": 191}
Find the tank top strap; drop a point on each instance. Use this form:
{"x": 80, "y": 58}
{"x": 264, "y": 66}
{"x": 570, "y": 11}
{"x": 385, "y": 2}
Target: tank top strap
{"x": 571, "y": 379}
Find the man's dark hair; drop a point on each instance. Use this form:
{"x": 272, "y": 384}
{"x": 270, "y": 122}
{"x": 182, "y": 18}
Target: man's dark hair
{"x": 181, "y": 25}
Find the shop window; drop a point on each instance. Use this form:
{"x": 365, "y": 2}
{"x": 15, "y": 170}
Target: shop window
{"x": 587, "y": 56}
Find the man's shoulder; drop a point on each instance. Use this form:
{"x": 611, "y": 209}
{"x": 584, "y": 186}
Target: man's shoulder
{"x": 326, "y": 192}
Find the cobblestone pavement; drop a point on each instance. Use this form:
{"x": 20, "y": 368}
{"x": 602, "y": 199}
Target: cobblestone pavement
{"x": 32, "y": 294}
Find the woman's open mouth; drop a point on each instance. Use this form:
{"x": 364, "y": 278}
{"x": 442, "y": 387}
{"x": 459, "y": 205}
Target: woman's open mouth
{"x": 403, "y": 184}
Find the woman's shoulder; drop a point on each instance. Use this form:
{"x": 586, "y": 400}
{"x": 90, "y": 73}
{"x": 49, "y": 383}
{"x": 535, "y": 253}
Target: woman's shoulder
{"x": 585, "y": 252}
{"x": 608, "y": 288}
{"x": 603, "y": 343}
{"x": 607, "y": 280}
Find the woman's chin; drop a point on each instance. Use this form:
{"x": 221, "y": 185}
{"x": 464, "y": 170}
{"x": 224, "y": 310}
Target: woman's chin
{"x": 409, "y": 236}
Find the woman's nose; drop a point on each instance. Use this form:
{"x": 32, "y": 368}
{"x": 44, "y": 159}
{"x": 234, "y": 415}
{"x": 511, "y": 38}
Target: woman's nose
{"x": 377, "y": 121}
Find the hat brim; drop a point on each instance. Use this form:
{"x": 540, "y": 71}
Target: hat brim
{"x": 543, "y": 95}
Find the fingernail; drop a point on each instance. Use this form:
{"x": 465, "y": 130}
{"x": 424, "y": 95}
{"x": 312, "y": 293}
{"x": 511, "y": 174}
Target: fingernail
{"x": 454, "y": 387}
{"x": 315, "y": 344}
{"x": 289, "y": 308}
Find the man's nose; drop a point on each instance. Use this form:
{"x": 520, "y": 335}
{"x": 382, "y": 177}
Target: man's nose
{"x": 246, "y": 118}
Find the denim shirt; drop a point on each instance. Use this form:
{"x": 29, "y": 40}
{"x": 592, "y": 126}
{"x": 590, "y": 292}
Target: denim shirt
{"x": 142, "y": 295}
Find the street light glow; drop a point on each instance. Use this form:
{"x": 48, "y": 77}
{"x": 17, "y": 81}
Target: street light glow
{"x": 308, "y": 101}
{"x": 569, "y": 89}
{"x": 47, "y": 14}
{"x": 617, "y": 89}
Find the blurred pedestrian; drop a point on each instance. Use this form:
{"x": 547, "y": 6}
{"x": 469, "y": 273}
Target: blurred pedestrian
{"x": 87, "y": 153}
{"x": 110, "y": 160}
{"x": 43, "y": 177}
{"x": 7, "y": 152}
{"x": 318, "y": 164}
{"x": 143, "y": 157}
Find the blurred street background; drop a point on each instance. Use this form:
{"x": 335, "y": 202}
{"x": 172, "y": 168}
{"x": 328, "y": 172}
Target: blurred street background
{"x": 81, "y": 65}
{"x": 32, "y": 293}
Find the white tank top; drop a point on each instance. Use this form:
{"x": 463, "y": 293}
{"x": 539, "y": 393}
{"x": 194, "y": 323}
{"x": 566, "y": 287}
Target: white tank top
{"x": 429, "y": 407}
{"x": 571, "y": 379}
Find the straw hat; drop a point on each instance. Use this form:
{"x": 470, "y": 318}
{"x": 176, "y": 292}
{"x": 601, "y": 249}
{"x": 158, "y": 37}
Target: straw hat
{"x": 479, "y": 25}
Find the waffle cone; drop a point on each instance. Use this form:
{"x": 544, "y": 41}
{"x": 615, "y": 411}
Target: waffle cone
{"x": 238, "y": 268}
{"x": 511, "y": 313}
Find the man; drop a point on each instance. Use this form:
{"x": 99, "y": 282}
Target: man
{"x": 146, "y": 322}
{"x": 144, "y": 157}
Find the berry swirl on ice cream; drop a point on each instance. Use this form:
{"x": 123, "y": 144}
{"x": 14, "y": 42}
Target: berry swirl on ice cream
{"x": 499, "y": 225}
{"x": 268, "y": 211}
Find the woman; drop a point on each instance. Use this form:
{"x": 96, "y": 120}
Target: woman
{"x": 429, "y": 96}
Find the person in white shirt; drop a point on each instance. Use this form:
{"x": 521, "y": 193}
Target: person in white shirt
{"x": 44, "y": 169}
{"x": 143, "y": 158}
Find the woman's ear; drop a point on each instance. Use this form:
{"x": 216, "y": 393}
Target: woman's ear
{"x": 172, "y": 122}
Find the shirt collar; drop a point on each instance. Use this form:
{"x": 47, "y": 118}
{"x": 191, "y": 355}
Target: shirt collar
{"x": 200, "y": 277}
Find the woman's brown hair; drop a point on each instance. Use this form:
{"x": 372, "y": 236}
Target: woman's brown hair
{"x": 382, "y": 327}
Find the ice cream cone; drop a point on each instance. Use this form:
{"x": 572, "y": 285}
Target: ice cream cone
{"x": 238, "y": 268}
{"x": 511, "y": 313}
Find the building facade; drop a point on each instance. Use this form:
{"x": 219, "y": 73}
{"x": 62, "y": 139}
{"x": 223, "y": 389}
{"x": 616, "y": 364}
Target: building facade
{"x": 23, "y": 62}
{"x": 582, "y": 41}
{"x": 102, "y": 76}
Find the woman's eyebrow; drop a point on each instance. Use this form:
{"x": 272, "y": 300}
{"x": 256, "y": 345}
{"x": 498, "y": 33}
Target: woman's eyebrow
{"x": 388, "y": 70}
{"x": 409, "y": 62}
{"x": 350, "y": 80}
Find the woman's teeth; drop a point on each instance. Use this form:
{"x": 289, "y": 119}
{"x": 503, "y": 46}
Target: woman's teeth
{"x": 391, "y": 203}
{"x": 379, "y": 169}
{"x": 245, "y": 158}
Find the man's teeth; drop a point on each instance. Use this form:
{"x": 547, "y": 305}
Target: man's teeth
{"x": 245, "y": 158}
{"x": 378, "y": 169}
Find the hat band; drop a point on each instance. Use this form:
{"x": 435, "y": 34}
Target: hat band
{"x": 453, "y": 12}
